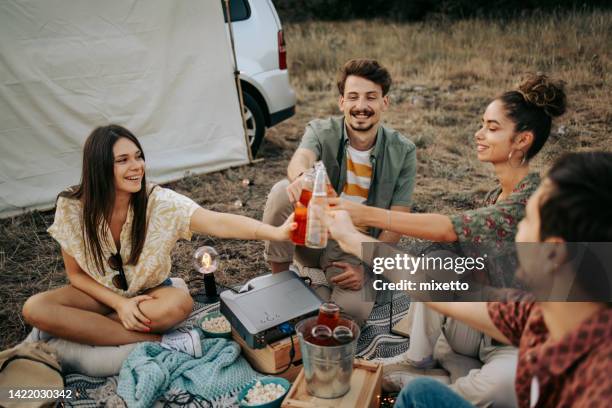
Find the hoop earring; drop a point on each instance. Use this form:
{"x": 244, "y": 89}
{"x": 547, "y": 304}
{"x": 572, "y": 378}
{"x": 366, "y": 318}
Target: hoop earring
{"x": 523, "y": 159}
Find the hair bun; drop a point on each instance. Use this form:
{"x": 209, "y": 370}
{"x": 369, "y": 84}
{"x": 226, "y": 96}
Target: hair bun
{"x": 539, "y": 90}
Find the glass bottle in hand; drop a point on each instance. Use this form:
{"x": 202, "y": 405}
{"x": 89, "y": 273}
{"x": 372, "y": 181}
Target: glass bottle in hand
{"x": 316, "y": 228}
{"x": 298, "y": 236}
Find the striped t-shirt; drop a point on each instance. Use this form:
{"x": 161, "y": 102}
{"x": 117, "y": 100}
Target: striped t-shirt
{"x": 358, "y": 175}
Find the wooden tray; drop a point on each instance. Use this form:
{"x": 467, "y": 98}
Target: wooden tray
{"x": 365, "y": 390}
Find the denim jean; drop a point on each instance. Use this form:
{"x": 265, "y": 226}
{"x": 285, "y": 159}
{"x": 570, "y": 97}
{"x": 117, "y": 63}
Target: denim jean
{"x": 429, "y": 393}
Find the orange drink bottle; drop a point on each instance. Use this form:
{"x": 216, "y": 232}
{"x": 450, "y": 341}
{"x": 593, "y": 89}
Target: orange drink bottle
{"x": 329, "y": 315}
{"x": 298, "y": 236}
{"x": 300, "y": 216}
{"x": 305, "y": 197}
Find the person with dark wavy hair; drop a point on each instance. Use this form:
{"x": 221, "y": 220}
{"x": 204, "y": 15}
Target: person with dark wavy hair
{"x": 116, "y": 234}
{"x": 515, "y": 127}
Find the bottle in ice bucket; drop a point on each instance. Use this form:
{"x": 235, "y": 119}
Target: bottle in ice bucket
{"x": 342, "y": 335}
{"x": 329, "y": 315}
{"x": 298, "y": 236}
{"x": 316, "y": 228}
{"x": 321, "y": 335}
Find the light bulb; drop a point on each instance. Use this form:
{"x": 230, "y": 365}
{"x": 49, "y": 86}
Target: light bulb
{"x": 205, "y": 259}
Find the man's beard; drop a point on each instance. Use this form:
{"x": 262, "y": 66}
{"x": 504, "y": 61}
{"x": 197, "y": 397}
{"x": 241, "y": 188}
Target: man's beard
{"x": 363, "y": 128}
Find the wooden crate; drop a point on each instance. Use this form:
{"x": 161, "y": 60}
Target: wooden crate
{"x": 274, "y": 357}
{"x": 365, "y": 390}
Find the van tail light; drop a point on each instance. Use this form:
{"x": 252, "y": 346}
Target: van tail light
{"x": 282, "y": 51}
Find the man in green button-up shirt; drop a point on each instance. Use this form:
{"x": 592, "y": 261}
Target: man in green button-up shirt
{"x": 366, "y": 162}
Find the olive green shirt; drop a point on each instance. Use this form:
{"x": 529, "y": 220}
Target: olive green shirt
{"x": 393, "y": 160}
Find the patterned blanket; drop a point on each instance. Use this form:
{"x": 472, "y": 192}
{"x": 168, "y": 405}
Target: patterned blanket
{"x": 376, "y": 341}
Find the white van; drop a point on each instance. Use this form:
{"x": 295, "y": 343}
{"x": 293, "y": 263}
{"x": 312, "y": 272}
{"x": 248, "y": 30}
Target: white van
{"x": 262, "y": 61}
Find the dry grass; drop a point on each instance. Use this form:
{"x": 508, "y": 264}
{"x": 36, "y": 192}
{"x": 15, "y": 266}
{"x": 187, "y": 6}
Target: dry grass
{"x": 444, "y": 75}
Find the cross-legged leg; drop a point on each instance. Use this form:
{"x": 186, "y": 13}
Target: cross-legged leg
{"x": 356, "y": 303}
{"x": 169, "y": 307}
{"x": 71, "y": 314}
{"x": 485, "y": 379}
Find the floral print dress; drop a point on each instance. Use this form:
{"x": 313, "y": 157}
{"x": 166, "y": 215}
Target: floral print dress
{"x": 491, "y": 229}
{"x": 496, "y": 222}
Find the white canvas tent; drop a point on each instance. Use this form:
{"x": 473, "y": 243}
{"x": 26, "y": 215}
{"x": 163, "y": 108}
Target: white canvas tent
{"x": 163, "y": 69}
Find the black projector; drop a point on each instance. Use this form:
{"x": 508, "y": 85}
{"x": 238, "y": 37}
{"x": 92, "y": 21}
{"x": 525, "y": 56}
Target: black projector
{"x": 268, "y": 307}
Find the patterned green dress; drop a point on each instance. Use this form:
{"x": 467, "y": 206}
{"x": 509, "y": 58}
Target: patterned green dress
{"x": 496, "y": 222}
{"x": 491, "y": 229}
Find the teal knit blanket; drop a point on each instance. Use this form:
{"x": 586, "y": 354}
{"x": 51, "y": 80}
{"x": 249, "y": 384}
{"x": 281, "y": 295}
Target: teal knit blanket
{"x": 150, "y": 370}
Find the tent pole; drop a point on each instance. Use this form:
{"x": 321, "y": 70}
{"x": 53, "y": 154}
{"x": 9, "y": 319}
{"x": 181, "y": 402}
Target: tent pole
{"x": 237, "y": 79}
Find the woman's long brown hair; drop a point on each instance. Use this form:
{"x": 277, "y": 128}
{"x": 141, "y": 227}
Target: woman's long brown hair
{"x": 97, "y": 194}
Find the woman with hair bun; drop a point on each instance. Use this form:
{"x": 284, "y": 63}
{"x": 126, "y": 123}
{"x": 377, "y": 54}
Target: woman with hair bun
{"x": 515, "y": 126}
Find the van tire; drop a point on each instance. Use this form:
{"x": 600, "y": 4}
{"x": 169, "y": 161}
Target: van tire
{"x": 255, "y": 122}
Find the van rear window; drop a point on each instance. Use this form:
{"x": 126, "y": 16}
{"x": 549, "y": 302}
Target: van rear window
{"x": 239, "y": 10}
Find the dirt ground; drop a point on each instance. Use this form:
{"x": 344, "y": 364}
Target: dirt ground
{"x": 445, "y": 74}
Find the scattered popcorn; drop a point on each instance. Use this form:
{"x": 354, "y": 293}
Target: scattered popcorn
{"x": 216, "y": 325}
{"x": 260, "y": 394}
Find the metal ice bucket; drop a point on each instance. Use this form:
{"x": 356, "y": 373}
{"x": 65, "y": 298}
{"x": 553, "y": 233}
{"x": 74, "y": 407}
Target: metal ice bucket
{"x": 327, "y": 370}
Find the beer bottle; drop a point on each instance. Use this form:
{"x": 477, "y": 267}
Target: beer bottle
{"x": 329, "y": 315}
{"x": 298, "y": 236}
{"x": 342, "y": 335}
{"x": 321, "y": 335}
{"x": 316, "y": 228}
